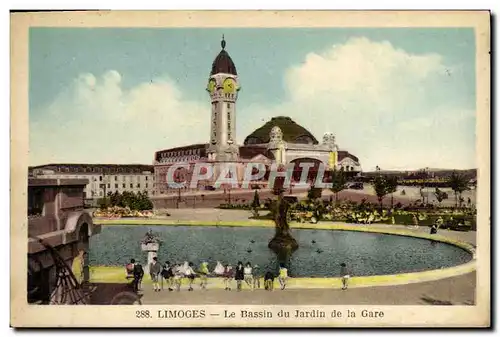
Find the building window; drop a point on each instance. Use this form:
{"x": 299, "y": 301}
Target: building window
{"x": 131, "y": 185}
{"x": 138, "y": 185}
{"x": 146, "y": 185}
{"x": 100, "y": 178}
{"x": 116, "y": 185}
{"x": 123, "y": 185}
{"x": 116, "y": 178}
{"x": 228, "y": 105}
{"x": 146, "y": 178}
{"x": 109, "y": 185}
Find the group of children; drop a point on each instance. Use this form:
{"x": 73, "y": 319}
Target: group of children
{"x": 173, "y": 274}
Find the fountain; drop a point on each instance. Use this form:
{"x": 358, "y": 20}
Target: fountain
{"x": 151, "y": 244}
{"x": 283, "y": 243}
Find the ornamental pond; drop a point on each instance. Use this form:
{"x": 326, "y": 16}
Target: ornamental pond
{"x": 319, "y": 255}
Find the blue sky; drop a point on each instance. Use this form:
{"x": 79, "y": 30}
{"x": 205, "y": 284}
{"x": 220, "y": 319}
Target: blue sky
{"x": 397, "y": 98}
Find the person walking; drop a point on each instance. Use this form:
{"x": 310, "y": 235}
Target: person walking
{"x": 344, "y": 273}
{"x": 154, "y": 272}
{"x": 239, "y": 275}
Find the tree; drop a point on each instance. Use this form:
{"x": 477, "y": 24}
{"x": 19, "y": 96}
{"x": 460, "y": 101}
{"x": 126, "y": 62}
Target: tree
{"x": 136, "y": 202}
{"x": 314, "y": 193}
{"x": 440, "y": 195}
{"x": 458, "y": 184}
{"x": 256, "y": 201}
{"x": 339, "y": 182}
{"x": 255, "y": 204}
{"x": 103, "y": 203}
{"x": 115, "y": 199}
{"x": 392, "y": 186}
{"x": 380, "y": 186}
{"x": 143, "y": 202}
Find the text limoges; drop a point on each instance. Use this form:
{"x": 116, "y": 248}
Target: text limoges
{"x": 173, "y": 314}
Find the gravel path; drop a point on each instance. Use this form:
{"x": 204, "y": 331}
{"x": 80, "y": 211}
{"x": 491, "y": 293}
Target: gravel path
{"x": 458, "y": 290}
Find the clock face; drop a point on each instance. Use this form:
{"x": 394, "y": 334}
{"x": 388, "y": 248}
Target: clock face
{"x": 229, "y": 86}
{"x": 211, "y": 86}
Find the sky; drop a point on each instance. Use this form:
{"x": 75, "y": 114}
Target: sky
{"x": 399, "y": 98}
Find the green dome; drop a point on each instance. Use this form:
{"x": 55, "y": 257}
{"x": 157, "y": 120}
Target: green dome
{"x": 292, "y": 132}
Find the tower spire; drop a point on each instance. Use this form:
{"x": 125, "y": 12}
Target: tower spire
{"x": 223, "y": 42}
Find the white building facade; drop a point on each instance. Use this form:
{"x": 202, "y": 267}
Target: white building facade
{"x": 103, "y": 179}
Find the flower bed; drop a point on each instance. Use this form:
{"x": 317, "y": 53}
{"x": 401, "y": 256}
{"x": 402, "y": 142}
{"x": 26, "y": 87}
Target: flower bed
{"x": 116, "y": 212}
{"x": 241, "y": 206}
{"x": 312, "y": 211}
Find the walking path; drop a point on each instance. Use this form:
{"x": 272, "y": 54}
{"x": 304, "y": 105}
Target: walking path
{"x": 458, "y": 290}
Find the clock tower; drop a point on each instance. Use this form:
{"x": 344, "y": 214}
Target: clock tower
{"x": 223, "y": 88}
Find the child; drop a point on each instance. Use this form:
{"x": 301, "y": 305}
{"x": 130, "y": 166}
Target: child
{"x": 269, "y": 281}
{"x": 154, "y": 272}
{"x": 129, "y": 269}
{"x": 283, "y": 276}
{"x": 344, "y": 273}
{"x": 256, "y": 276}
{"x": 247, "y": 275}
{"x": 239, "y": 275}
{"x": 434, "y": 229}
{"x": 228, "y": 275}
{"x": 167, "y": 275}
{"x": 219, "y": 269}
{"x": 203, "y": 275}
{"x": 190, "y": 274}
{"x": 178, "y": 276}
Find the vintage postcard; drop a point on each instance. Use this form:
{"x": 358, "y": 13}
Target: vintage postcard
{"x": 250, "y": 169}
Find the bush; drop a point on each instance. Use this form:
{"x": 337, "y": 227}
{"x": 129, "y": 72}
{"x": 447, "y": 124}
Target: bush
{"x": 136, "y": 202}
